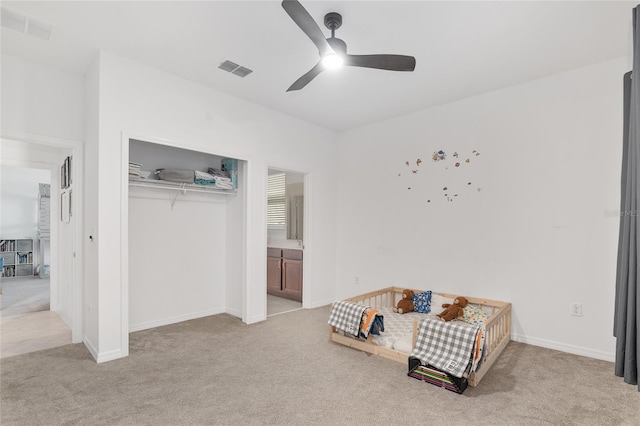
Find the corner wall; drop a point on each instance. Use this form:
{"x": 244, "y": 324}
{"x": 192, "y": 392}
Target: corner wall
{"x": 528, "y": 219}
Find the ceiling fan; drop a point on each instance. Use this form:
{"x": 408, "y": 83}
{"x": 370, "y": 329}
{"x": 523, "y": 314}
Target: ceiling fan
{"x": 333, "y": 51}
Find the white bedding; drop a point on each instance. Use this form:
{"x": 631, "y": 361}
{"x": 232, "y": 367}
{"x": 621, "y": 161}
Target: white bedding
{"x": 398, "y": 330}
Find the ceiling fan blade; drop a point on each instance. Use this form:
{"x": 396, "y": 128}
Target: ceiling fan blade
{"x": 382, "y": 62}
{"x": 306, "y": 79}
{"x": 306, "y": 23}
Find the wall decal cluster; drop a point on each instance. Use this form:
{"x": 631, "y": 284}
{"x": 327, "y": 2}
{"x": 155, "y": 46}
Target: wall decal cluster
{"x": 442, "y": 162}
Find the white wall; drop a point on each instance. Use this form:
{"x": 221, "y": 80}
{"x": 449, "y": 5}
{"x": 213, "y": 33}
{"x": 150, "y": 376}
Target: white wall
{"x": 235, "y": 252}
{"x": 536, "y": 234}
{"x": 39, "y": 100}
{"x": 151, "y": 104}
{"x": 177, "y": 258}
{"x": 90, "y": 303}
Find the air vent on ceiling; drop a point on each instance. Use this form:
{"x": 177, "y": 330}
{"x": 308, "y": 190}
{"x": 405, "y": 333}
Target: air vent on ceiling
{"x": 13, "y": 20}
{"x": 234, "y": 68}
{"x": 26, "y": 24}
{"x": 241, "y": 71}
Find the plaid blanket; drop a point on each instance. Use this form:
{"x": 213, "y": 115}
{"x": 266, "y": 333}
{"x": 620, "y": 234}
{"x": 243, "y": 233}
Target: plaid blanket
{"x": 346, "y": 316}
{"x": 448, "y": 346}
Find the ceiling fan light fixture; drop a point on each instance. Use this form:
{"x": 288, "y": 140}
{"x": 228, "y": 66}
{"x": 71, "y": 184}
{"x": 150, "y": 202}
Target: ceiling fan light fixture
{"x": 332, "y": 61}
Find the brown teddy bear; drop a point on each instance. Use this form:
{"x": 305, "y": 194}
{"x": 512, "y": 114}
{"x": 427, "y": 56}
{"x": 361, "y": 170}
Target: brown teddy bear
{"x": 453, "y": 311}
{"x": 406, "y": 304}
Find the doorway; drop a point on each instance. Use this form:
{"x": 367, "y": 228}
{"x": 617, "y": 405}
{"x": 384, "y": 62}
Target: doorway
{"x": 44, "y": 307}
{"x": 27, "y": 321}
{"x": 285, "y": 240}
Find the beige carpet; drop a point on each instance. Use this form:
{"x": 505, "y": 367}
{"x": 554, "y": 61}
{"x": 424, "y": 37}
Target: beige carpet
{"x": 284, "y": 371}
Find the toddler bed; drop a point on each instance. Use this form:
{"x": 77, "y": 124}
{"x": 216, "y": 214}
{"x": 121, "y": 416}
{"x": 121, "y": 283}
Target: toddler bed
{"x": 401, "y": 330}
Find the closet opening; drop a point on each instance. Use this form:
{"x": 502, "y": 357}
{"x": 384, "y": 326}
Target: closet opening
{"x": 186, "y": 226}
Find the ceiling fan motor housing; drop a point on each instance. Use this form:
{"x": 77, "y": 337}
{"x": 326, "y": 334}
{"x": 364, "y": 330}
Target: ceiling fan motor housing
{"x": 332, "y": 20}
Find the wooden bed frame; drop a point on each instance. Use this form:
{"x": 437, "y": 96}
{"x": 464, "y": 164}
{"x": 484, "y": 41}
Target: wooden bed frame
{"x": 498, "y": 328}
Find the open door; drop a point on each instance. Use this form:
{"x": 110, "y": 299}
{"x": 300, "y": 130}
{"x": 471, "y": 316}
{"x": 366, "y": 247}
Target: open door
{"x": 285, "y": 247}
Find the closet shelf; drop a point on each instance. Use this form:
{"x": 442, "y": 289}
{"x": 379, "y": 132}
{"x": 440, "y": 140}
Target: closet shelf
{"x": 180, "y": 188}
{"x": 184, "y": 187}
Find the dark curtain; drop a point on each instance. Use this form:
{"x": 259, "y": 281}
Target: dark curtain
{"x": 626, "y": 320}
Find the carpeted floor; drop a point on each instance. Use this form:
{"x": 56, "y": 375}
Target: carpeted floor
{"x": 284, "y": 371}
{"x": 24, "y": 295}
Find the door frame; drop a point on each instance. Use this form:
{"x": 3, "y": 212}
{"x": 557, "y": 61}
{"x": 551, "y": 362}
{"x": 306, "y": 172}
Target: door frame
{"x": 307, "y": 245}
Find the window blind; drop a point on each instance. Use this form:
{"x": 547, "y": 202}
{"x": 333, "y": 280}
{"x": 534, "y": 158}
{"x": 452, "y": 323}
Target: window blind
{"x": 276, "y": 200}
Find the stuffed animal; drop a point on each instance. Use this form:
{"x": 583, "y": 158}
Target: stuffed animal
{"x": 453, "y": 311}
{"x": 406, "y": 304}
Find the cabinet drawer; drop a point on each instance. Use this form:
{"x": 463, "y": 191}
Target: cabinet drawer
{"x": 274, "y": 252}
{"x": 292, "y": 254}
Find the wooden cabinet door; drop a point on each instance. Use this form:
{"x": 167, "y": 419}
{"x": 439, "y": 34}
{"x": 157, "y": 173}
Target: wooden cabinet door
{"x": 274, "y": 275}
{"x": 292, "y": 279}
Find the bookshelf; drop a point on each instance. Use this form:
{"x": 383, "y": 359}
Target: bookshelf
{"x": 18, "y": 257}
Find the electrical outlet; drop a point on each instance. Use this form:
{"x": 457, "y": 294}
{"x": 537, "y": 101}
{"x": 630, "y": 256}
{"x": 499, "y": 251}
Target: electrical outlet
{"x": 357, "y": 280}
{"x": 576, "y": 309}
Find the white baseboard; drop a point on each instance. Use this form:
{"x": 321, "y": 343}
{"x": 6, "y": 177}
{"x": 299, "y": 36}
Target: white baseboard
{"x": 92, "y": 349}
{"x": 109, "y": 356}
{"x": 64, "y": 317}
{"x": 321, "y": 303}
{"x": 101, "y": 357}
{"x": 234, "y": 312}
{"x": 563, "y": 347}
{"x": 256, "y": 318}
{"x": 172, "y": 320}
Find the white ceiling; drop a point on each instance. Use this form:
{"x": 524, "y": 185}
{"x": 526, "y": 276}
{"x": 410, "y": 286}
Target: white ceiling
{"x": 461, "y": 48}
